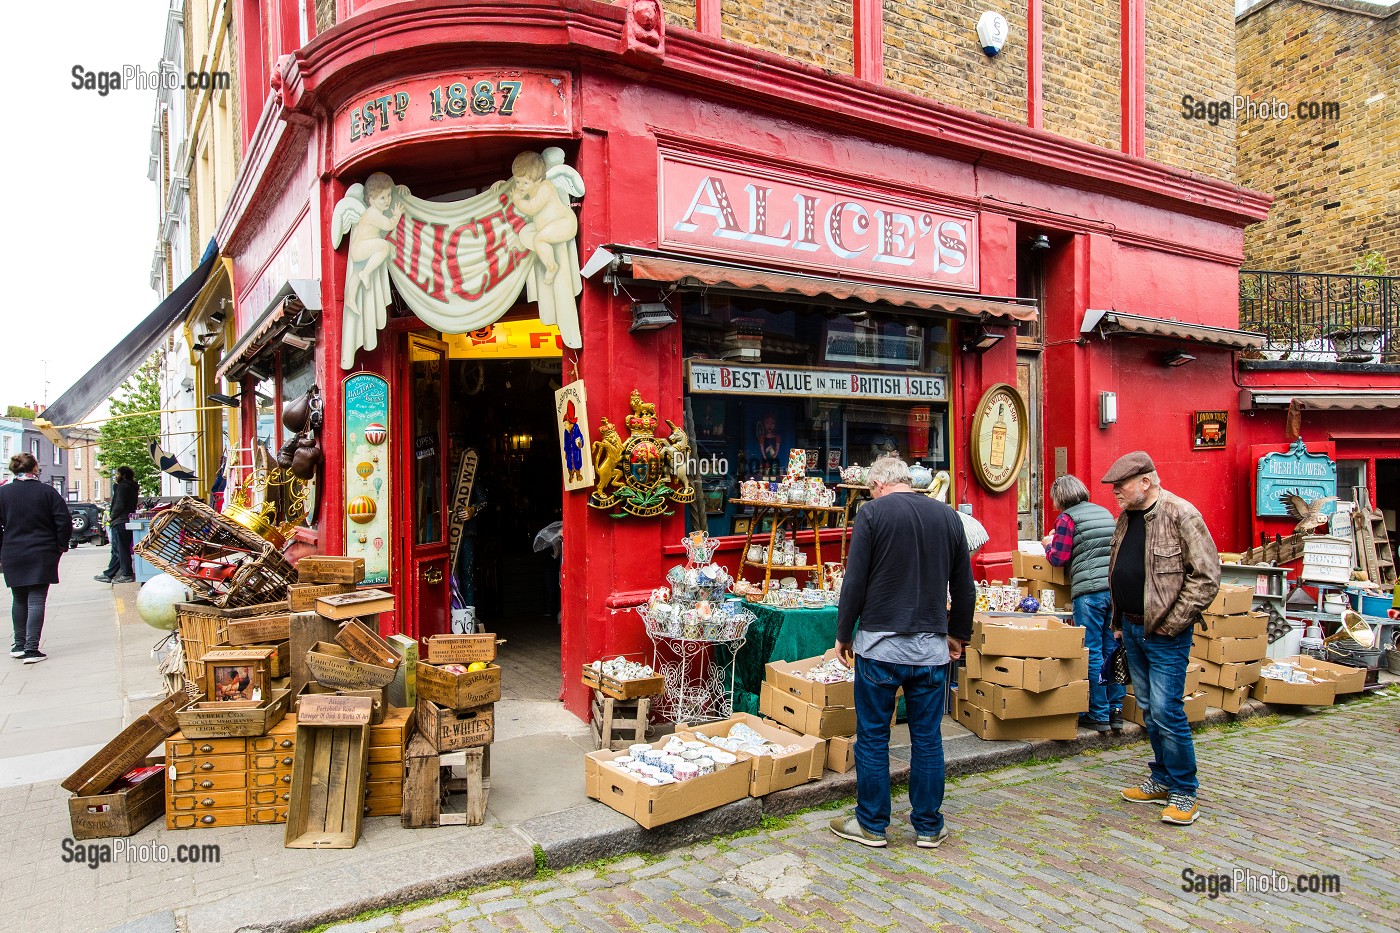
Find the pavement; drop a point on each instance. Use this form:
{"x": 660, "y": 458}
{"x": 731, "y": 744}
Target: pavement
{"x": 100, "y": 676}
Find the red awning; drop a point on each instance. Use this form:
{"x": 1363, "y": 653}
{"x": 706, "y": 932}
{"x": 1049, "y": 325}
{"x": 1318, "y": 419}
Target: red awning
{"x": 1109, "y": 323}
{"x": 1348, "y": 402}
{"x": 687, "y": 273}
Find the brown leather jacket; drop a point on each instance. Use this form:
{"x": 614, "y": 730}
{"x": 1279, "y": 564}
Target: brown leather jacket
{"x": 1182, "y": 563}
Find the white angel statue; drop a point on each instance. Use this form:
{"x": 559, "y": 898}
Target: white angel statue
{"x": 368, "y": 212}
{"x": 552, "y": 221}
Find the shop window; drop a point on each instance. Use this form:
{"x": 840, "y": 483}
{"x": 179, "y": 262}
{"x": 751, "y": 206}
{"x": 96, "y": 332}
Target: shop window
{"x": 428, "y": 363}
{"x": 799, "y": 358}
{"x": 1350, "y": 475}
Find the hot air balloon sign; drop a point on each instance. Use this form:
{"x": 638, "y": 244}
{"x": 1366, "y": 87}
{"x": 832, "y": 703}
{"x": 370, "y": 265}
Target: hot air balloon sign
{"x": 575, "y": 446}
{"x": 367, "y": 474}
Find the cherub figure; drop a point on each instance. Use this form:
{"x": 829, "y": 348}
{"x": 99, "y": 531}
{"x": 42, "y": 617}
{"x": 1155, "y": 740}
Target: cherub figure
{"x": 540, "y": 187}
{"x": 369, "y": 213}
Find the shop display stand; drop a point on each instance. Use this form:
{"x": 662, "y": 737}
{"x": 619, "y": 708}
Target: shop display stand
{"x": 698, "y": 687}
{"x": 813, "y": 517}
{"x": 1270, "y": 585}
{"x": 855, "y": 495}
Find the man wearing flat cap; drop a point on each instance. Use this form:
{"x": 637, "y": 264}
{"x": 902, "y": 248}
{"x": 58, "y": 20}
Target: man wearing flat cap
{"x": 1163, "y": 569}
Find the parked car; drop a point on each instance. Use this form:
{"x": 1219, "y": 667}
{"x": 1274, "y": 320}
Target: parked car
{"x": 89, "y": 524}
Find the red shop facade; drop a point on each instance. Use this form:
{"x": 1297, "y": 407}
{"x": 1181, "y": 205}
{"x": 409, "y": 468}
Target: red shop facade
{"x": 856, "y": 266}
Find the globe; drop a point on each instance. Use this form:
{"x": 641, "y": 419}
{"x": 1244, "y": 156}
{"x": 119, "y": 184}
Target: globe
{"x": 157, "y": 598}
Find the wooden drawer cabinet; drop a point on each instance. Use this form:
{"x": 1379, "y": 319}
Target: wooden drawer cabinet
{"x": 207, "y": 819}
{"x": 181, "y": 747}
{"x": 215, "y": 780}
{"x": 264, "y": 779}
{"x": 204, "y": 764}
{"x": 270, "y": 796}
{"x": 271, "y": 761}
{"x": 384, "y": 806}
{"x": 379, "y": 754}
{"x": 258, "y": 815}
{"x": 385, "y": 771}
{"x": 272, "y": 743}
{"x": 212, "y": 800}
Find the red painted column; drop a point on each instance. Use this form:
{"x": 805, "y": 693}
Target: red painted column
{"x": 252, "y": 67}
{"x": 1133, "y": 34}
{"x": 708, "y": 21}
{"x": 1035, "y": 50}
{"x": 868, "y": 19}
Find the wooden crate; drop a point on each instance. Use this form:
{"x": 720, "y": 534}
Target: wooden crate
{"x": 364, "y": 644}
{"x": 632, "y": 689}
{"x": 332, "y": 666}
{"x": 376, "y": 695}
{"x": 220, "y": 719}
{"x": 619, "y": 723}
{"x": 119, "y": 811}
{"x": 129, "y": 748}
{"x": 360, "y": 603}
{"x": 424, "y": 785}
{"x": 323, "y": 568}
{"x": 259, "y": 630}
{"x": 301, "y": 597}
{"x": 459, "y": 691}
{"x": 328, "y": 787}
{"x": 461, "y": 649}
{"x": 449, "y": 730}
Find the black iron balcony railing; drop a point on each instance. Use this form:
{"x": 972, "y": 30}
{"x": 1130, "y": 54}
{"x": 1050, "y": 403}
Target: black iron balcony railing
{"x": 1322, "y": 317}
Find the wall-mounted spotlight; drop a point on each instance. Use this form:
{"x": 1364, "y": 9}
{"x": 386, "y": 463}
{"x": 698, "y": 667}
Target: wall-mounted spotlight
{"x": 1177, "y": 358}
{"x": 300, "y": 343}
{"x": 978, "y": 338}
{"x": 228, "y": 401}
{"x": 992, "y": 32}
{"x": 1040, "y": 242}
{"x": 651, "y": 315}
{"x": 258, "y": 373}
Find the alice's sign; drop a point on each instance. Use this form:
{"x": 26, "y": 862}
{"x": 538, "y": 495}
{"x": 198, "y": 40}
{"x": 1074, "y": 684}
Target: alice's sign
{"x": 1297, "y": 472}
{"x": 724, "y": 379}
{"x": 499, "y": 101}
{"x": 737, "y": 212}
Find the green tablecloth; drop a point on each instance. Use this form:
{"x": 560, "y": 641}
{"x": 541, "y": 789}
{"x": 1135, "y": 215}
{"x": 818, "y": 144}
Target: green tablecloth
{"x": 777, "y": 635}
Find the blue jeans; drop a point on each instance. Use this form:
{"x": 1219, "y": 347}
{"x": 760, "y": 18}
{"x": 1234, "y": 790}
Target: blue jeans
{"x": 120, "y": 564}
{"x": 1091, "y": 613}
{"x": 1157, "y": 665}
{"x": 876, "y": 685}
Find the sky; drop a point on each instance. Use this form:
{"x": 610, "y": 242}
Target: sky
{"x": 78, "y": 163}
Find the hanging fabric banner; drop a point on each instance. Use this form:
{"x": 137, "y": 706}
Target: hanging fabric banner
{"x": 460, "y": 265}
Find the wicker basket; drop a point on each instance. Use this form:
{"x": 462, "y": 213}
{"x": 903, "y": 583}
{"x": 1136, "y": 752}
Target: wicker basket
{"x": 203, "y": 627}
{"x": 220, "y": 560}
{"x": 1392, "y": 660}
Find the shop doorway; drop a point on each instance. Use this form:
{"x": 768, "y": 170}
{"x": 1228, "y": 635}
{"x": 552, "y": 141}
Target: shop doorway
{"x": 1387, "y": 496}
{"x": 504, "y": 410}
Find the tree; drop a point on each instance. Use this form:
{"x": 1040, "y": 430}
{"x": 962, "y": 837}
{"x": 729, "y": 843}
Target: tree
{"x": 19, "y": 411}
{"x": 127, "y": 441}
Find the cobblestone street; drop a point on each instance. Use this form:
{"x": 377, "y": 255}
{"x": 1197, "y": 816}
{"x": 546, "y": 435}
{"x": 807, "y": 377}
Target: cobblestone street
{"x": 1036, "y": 847}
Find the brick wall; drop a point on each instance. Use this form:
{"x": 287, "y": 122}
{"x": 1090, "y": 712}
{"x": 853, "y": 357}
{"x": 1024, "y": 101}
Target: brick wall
{"x": 817, "y": 32}
{"x": 679, "y": 13}
{"x": 1081, "y": 70}
{"x": 931, "y": 50}
{"x": 1336, "y": 182}
{"x": 1190, "y": 50}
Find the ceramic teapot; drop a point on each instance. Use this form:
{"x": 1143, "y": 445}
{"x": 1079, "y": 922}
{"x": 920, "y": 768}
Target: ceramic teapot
{"x": 920, "y": 476}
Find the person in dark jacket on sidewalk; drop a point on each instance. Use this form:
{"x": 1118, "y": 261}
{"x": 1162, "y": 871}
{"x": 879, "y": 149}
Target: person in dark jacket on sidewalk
{"x": 1082, "y": 539}
{"x": 124, "y": 493}
{"x": 908, "y": 555}
{"x": 35, "y": 526}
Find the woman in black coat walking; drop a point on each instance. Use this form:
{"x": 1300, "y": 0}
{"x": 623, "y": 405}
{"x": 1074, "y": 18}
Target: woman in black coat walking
{"x": 35, "y": 526}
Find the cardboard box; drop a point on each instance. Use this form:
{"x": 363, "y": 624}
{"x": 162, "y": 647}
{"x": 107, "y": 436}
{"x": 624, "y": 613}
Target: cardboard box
{"x": 461, "y": 649}
{"x": 1026, "y": 636}
{"x": 1037, "y": 567}
{"x": 1347, "y": 679}
{"x": 449, "y": 730}
{"x": 1034, "y": 674}
{"x": 1231, "y": 600}
{"x": 1013, "y": 703}
{"x": 775, "y": 773}
{"x": 1229, "y": 676}
{"x": 1064, "y": 602}
{"x": 1319, "y": 693}
{"x": 840, "y": 753}
{"x": 1194, "y": 669}
{"x": 459, "y": 691}
{"x": 788, "y": 677}
{"x": 1229, "y": 650}
{"x": 1228, "y": 700}
{"x": 124, "y": 808}
{"x": 301, "y": 597}
{"x": 803, "y": 717}
{"x": 1195, "y": 705}
{"x": 987, "y": 726}
{"x": 654, "y": 806}
{"x": 1246, "y": 625}
{"x": 322, "y": 568}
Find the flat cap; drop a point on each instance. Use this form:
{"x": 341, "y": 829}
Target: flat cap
{"x": 1129, "y": 465}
